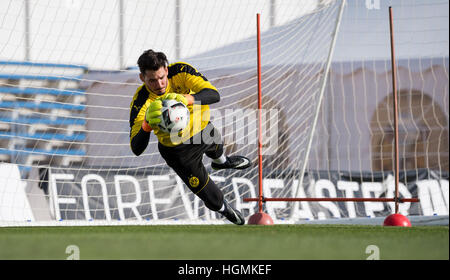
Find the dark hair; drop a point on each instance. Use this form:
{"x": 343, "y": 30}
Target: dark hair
{"x": 151, "y": 60}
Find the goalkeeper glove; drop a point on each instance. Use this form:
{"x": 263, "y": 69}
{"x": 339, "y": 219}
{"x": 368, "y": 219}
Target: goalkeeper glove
{"x": 177, "y": 97}
{"x": 153, "y": 112}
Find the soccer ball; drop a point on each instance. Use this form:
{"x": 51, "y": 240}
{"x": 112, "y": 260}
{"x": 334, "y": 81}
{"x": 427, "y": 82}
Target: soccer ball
{"x": 174, "y": 117}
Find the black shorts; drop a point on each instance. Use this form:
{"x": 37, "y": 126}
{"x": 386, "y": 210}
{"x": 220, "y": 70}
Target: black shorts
{"x": 187, "y": 161}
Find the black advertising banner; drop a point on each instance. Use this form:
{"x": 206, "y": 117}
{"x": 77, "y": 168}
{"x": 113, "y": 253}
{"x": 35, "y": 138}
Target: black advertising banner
{"x": 157, "y": 194}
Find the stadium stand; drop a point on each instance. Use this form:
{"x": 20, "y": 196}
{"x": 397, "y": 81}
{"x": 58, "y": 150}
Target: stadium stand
{"x": 41, "y": 113}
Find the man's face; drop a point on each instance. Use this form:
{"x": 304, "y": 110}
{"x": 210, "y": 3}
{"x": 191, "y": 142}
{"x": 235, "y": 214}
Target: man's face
{"x": 156, "y": 81}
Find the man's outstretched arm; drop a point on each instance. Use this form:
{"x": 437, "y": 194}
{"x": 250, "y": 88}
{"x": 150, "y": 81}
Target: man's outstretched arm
{"x": 143, "y": 125}
{"x": 139, "y": 142}
{"x": 205, "y": 96}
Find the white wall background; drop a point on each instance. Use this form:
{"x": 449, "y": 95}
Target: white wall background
{"x": 88, "y": 32}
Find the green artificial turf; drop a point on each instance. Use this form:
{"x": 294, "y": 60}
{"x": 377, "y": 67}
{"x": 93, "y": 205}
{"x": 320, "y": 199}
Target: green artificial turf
{"x": 226, "y": 242}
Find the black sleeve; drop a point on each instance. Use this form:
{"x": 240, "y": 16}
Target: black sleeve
{"x": 140, "y": 142}
{"x": 207, "y": 96}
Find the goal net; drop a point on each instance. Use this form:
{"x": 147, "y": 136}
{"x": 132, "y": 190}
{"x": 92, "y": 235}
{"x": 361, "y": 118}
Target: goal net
{"x": 68, "y": 74}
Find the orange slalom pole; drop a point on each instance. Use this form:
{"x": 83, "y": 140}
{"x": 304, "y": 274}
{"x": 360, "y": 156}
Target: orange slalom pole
{"x": 258, "y": 40}
{"x": 394, "y": 92}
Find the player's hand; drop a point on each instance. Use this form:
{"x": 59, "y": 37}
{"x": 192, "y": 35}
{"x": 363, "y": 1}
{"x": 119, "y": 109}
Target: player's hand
{"x": 153, "y": 112}
{"x": 177, "y": 97}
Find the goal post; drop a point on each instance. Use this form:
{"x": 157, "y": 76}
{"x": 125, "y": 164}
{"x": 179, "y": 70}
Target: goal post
{"x": 323, "y": 83}
{"x": 396, "y": 198}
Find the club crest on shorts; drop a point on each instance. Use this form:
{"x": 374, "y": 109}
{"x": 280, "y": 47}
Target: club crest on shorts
{"x": 194, "y": 181}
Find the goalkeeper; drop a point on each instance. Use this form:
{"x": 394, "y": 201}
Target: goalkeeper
{"x": 182, "y": 82}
